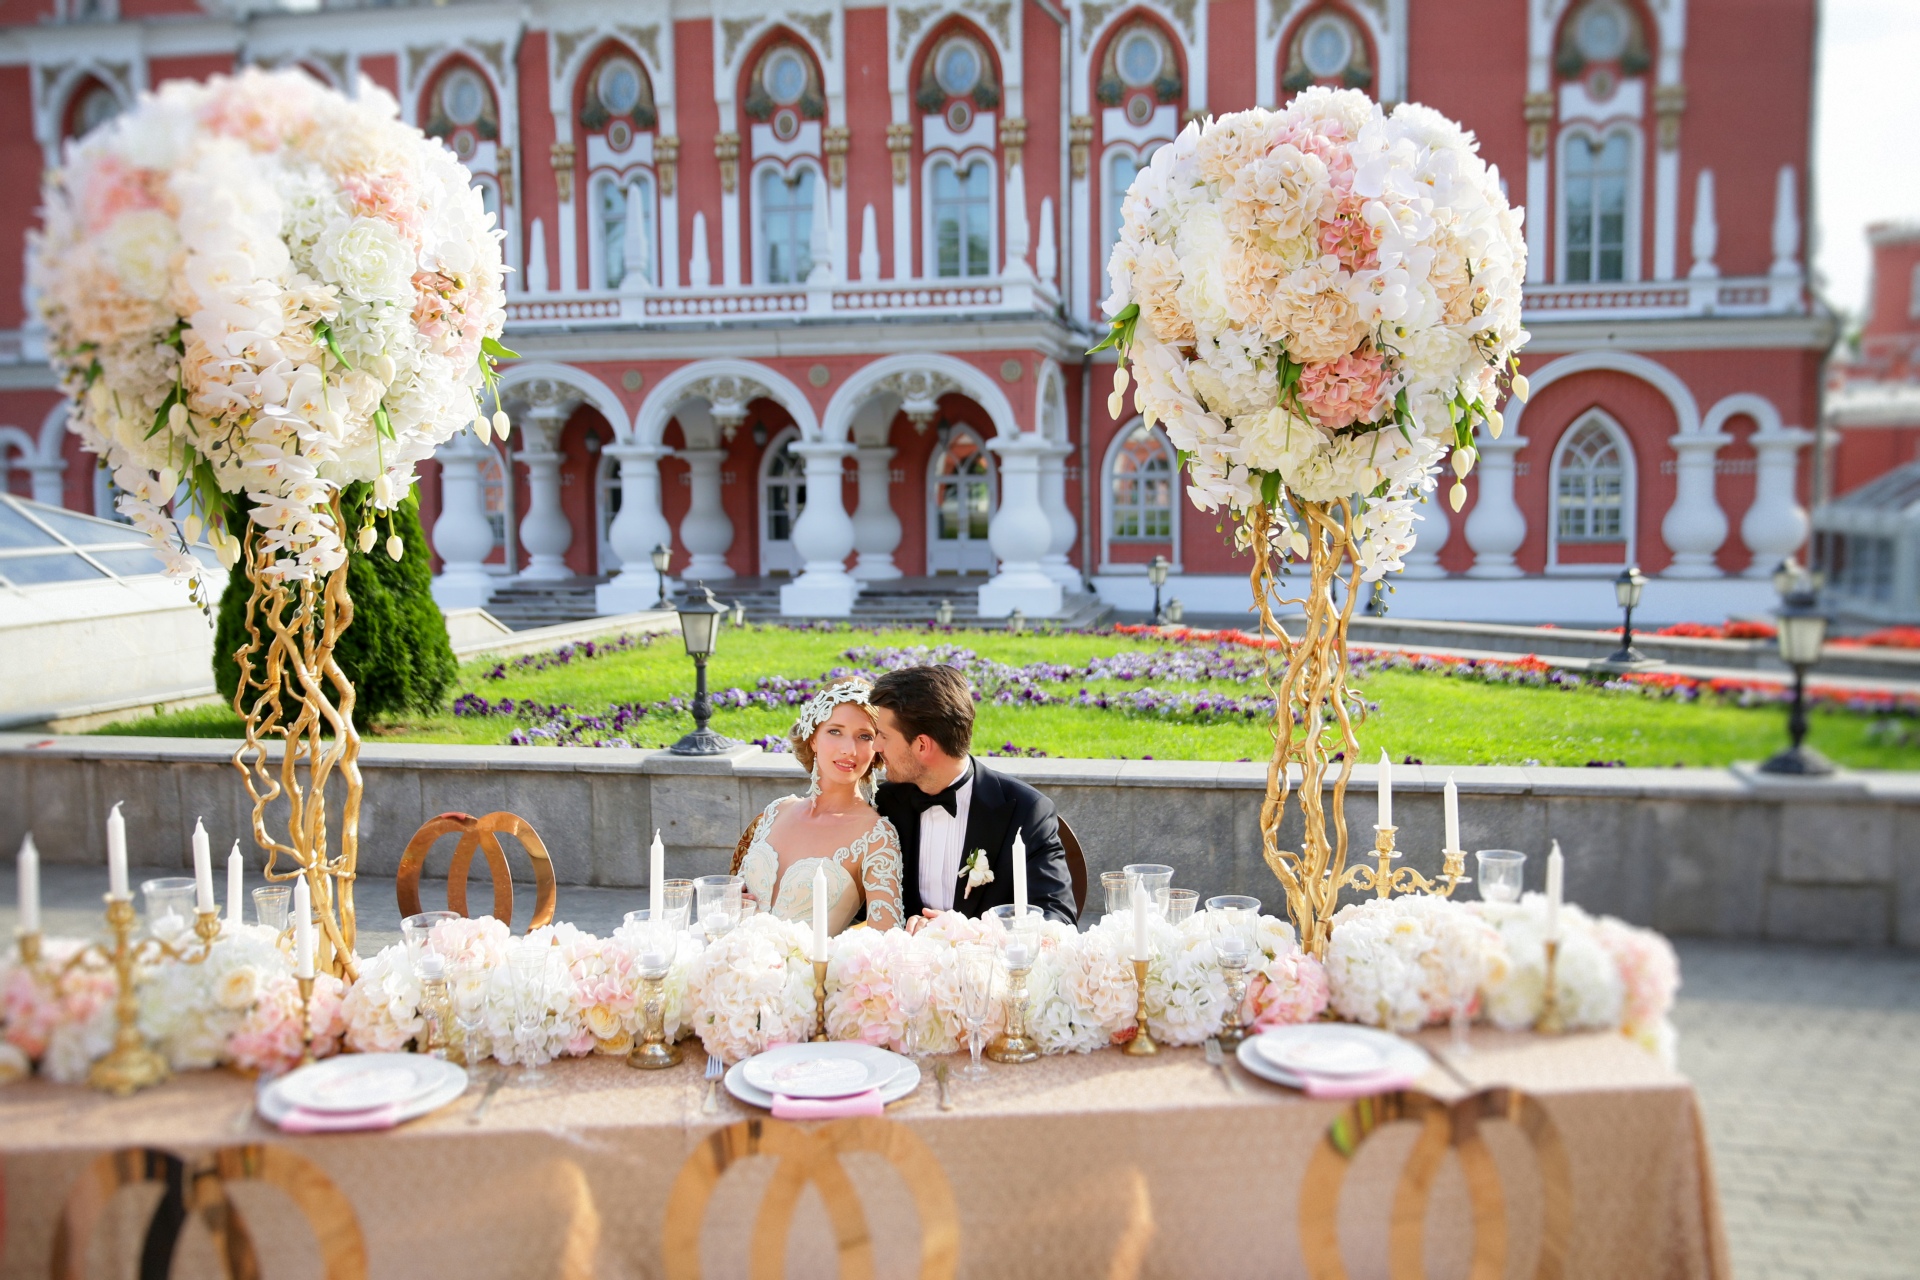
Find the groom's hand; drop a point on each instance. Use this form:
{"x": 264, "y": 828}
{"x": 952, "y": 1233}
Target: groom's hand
{"x": 919, "y": 922}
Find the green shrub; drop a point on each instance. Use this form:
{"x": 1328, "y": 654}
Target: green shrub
{"x": 396, "y": 653}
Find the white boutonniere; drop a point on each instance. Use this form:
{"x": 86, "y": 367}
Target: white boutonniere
{"x": 978, "y": 872}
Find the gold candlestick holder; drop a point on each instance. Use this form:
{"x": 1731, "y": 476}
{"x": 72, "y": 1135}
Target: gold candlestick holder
{"x": 29, "y": 945}
{"x": 306, "y": 1020}
{"x": 1233, "y": 1028}
{"x": 1013, "y": 1044}
{"x": 1143, "y": 1045}
{"x": 1384, "y": 879}
{"x": 819, "y": 999}
{"x": 1551, "y": 1022}
{"x": 132, "y": 1064}
{"x": 653, "y": 1053}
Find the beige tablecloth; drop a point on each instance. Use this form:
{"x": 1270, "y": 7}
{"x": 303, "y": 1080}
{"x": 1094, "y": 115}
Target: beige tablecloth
{"x": 1099, "y": 1165}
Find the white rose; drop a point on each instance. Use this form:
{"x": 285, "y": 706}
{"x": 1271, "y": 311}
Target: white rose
{"x": 238, "y": 988}
{"x": 143, "y": 246}
{"x": 368, "y": 261}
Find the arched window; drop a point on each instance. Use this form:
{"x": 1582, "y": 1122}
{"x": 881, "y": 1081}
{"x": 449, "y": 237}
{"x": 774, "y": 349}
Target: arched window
{"x": 1140, "y": 477}
{"x": 783, "y": 241}
{"x": 494, "y": 496}
{"x": 1597, "y": 206}
{"x": 1592, "y": 488}
{"x": 960, "y": 505}
{"x": 960, "y": 215}
{"x": 783, "y": 495}
{"x": 92, "y": 105}
{"x": 624, "y": 220}
{"x": 1327, "y": 48}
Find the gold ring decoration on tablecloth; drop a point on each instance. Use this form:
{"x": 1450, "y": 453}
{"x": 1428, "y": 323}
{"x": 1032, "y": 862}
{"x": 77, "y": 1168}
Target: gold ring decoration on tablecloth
{"x": 201, "y": 1187}
{"x": 478, "y": 833}
{"x": 1444, "y": 1126}
{"x": 812, "y": 1157}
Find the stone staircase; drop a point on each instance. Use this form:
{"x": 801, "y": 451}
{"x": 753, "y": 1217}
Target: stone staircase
{"x": 525, "y": 605}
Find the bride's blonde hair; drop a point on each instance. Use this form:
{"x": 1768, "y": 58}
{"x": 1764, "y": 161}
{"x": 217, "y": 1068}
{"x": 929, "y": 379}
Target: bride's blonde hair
{"x": 819, "y": 709}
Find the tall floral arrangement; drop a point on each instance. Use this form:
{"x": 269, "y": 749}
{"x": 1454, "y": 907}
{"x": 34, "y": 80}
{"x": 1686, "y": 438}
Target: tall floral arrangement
{"x": 258, "y": 285}
{"x": 1321, "y": 306}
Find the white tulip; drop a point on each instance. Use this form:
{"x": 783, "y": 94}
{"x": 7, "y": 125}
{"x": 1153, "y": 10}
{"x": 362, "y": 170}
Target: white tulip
{"x": 501, "y": 426}
{"x": 367, "y": 535}
{"x": 395, "y": 547}
{"x": 1521, "y": 387}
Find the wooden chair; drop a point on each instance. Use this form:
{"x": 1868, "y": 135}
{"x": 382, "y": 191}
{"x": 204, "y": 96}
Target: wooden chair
{"x": 478, "y": 833}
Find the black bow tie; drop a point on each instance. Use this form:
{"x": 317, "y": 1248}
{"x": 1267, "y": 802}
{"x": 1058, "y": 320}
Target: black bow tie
{"x": 918, "y": 802}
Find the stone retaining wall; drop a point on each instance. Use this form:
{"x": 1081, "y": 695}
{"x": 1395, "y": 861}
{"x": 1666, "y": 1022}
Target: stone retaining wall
{"x": 1702, "y": 852}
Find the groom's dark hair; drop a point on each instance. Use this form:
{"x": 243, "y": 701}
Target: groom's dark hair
{"x": 936, "y": 701}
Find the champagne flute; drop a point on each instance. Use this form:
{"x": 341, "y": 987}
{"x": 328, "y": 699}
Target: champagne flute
{"x": 911, "y": 979}
{"x": 977, "y": 969}
{"x": 467, "y": 982}
{"x": 529, "y": 963}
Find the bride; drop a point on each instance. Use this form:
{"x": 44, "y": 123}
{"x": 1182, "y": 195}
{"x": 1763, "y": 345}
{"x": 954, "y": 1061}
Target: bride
{"x": 834, "y": 826}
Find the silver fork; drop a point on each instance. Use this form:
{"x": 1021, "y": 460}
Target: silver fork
{"x": 715, "y": 1069}
{"x": 1217, "y": 1059}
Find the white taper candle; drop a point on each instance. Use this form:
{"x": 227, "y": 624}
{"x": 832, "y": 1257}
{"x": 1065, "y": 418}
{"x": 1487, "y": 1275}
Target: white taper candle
{"x": 1019, "y": 876}
{"x": 1556, "y": 890}
{"x": 117, "y": 853}
{"x": 1386, "y": 789}
{"x": 656, "y": 872}
{"x": 236, "y": 887}
{"x": 29, "y": 886}
{"x": 1452, "y": 797}
{"x": 1140, "y": 948}
{"x": 820, "y": 913}
{"x": 202, "y": 868}
{"x": 302, "y": 929}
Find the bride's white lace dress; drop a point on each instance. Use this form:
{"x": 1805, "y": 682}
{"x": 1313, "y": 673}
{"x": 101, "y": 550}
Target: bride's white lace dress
{"x": 864, "y": 872}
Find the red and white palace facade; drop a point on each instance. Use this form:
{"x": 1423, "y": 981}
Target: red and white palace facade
{"x": 802, "y": 290}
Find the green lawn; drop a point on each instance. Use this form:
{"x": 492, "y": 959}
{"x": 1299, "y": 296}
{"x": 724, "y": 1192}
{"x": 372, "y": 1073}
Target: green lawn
{"x": 1435, "y": 718}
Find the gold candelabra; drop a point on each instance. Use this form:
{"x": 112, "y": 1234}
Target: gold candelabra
{"x": 1384, "y": 878}
{"x": 1143, "y": 1044}
{"x": 1551, "y": 1022}
{"x": 132, "y": 1064}
{"x": 819, "y": 999}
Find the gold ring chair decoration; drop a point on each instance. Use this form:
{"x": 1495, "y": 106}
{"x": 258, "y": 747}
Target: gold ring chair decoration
{"x": 478, "y": 834}
{"x": 812, "y": 1157}
{"x": 200, "y": 1187}
{"x": 1445, "y": 1127}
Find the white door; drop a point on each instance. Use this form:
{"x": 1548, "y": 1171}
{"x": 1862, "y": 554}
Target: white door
{"x": 960, "y": 505}
{"x": 783, "y": 492}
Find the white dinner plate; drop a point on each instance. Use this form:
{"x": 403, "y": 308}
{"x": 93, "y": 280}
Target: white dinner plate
{"x": 831, "y": 1069}
{"x": 274, "y": 1106}
{"x": 1332, "y": 1050}
{"x": 902, "y": 1083}
{"x": 1404, "y": 1055}
{"x": 363, "y": 1081}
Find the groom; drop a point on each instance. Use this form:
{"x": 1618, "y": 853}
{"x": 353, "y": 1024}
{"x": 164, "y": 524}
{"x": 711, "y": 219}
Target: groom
{"x": 956, "y": 817}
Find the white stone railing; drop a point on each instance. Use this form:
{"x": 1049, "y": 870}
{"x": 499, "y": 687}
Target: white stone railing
{"x": 1665, "y": 299}
{"x": 746, "y": 304}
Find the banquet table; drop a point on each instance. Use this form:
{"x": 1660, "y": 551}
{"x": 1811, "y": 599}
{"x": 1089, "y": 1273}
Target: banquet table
{"x": 1578, "y": 1155}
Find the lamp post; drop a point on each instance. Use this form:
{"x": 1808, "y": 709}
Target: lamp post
{"x": 700, "y": 620}
{"x": 1626, "y": 589}
{"x": 661, "y": 558}
{"x": 1157, "y": 575}
{"x": 1802, "y": 634}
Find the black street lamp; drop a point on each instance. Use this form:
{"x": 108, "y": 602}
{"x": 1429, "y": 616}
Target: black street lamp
{"x": 1802, "y": 634}
{"x": 1157, "y": 575}
{"x": 700, "y": 619}
{"x": 1626, "y": 589}
{"x": 661, "y": 558}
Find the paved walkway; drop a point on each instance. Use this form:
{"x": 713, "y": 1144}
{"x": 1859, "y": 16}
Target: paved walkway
{"x": 1807, "y": 1061}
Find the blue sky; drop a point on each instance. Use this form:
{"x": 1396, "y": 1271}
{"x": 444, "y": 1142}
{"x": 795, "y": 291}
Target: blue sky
{"x": 1867, "y": 134}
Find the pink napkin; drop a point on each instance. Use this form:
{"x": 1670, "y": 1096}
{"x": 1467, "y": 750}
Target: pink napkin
{"x": 301, "y": 1120}
{"x": 856, "y": 1104}
{"x": 1356, "y": 1086}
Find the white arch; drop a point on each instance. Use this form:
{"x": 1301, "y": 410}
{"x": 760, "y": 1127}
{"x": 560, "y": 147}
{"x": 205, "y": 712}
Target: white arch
{"x": 650, "y": 424}
{"x": 1050, "y": 402}
{"x": 430, "y": 70}
{"x": 1629, "y": 497}
{"x": 731, "y": 64}
{"x": 597, "y": 393}
{"x": 1185, "y": 24}
{"x": 1686, "y": 410}
{"x": 1757, "y": 407}
{"x": 51, "y": 109}
{"x": 20, "y": 440}
{"x": 53, "y": 432}
{"x": 1385, "y": 25}
{"x": 971, "y": 382}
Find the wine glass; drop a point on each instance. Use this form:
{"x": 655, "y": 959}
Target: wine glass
{"x": 976, "y": 1003}
{"x": 530, "y": 961}
{"x": 1180, "y": 905}
{"x": 467, "y": 984}
{"x": 717, "y": 899}
{"x": 1231, "y": 921}
{"x": 912, "y": 981}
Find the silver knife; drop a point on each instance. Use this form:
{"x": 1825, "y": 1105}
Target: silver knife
{"x": 486, "y": 1099}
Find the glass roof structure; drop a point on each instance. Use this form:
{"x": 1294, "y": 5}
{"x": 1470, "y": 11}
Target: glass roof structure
{"x": 40, "y": 545}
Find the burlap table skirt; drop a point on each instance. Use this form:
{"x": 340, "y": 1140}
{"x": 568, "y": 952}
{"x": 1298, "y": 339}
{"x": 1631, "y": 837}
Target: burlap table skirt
{"x": 1096, "y": 1165}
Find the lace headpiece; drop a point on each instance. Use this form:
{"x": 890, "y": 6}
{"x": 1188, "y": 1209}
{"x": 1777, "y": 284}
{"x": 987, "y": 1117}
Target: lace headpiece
{"x": 821, "y": 705}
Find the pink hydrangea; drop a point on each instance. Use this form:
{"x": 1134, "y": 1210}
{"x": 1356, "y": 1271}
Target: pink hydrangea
{"x": 1649, "y": 971}
{"x": 269, "y": 1040}
{"x": 482, "y": 941}
{"x": 1348, "y": 236}
{"x": 1287, "y": 989}
{"x": 861, "y": 1001}
{"x": 32, "y": 1005}
{"x": 1339, "y": 393}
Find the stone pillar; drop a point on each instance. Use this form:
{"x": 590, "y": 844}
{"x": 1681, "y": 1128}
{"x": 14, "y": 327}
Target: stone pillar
{"x": 1776, "y": 524}
{"x": 1496, "y": 529}
{"x": 461, "y": 534}
{"x": 1431, "y": 529}
{"x": 1021, "y": 534}
{"x": 1053, "y": 501}
{"x": 706, "y": 532}
{"x": 49, "y": 481}
{"x": 876, "y": 529}
{"x": 823, "y": 536}
{"x": 1694, "y": 526}
{"x": 636, "y": 531}
{"x": 545, "y": 531}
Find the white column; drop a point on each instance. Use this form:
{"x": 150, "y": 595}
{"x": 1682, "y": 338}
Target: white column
{"x": 1776, "y": 524}
{"x": 1021, "y": 534}
{"x": 633, "y": 242}
{"x": 545, "y": 531}
{"x": 1783, "y": 284}
{"x": 1705, "y": 272}
{"x": 1431, "y": 529}
{"x": 699, "y": 266}
{"x": 670, "y": 241}
{"x": 869, "y": 246}
{"x": 820, "y": 274}
{"x": 876, "y": 529}
{"x": 902, "y": 193}
{"x": 1496, "y": 528}
{"x": 1046, "y": 257}
{"x": 838, "y": 235}
{"x": 569, "y": 247}
{"x": 636, "y": 531}
{"x": 49, "y": 485}
{"x": 1053, "y": 501}
{"x": 537, "y": 257}
{"x": 823, "y": 536}
{"x": 461, "y": 534}
{"x": 1017, "y": 266}
{"x": 1079, "y": 242}
{"x": 1538, "y": 223}
{"x": 1666, "y": 211}
{"x": 730, "y": 238}
{"x": 706, "y": 532}
{"x": 1694, "y": 526}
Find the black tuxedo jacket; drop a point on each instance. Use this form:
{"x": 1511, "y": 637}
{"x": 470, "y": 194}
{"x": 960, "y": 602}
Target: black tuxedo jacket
{"x": 999, "y": 807}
